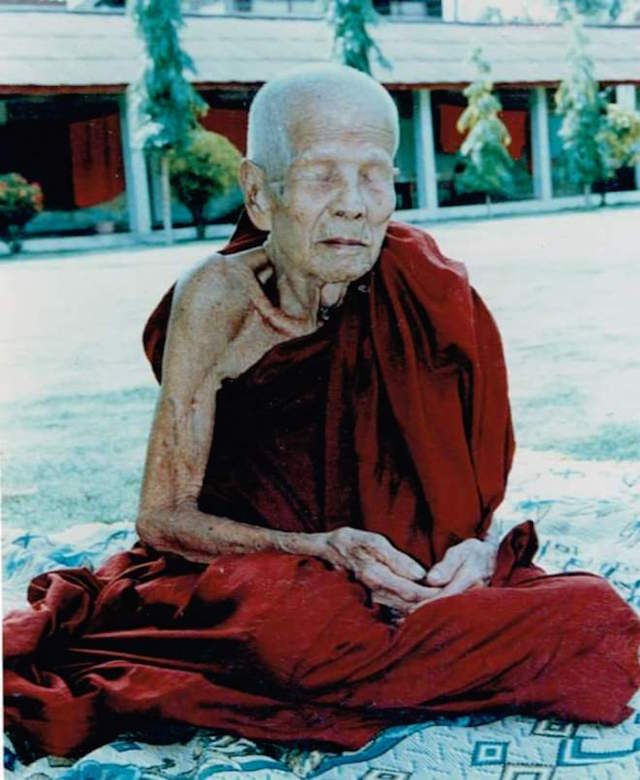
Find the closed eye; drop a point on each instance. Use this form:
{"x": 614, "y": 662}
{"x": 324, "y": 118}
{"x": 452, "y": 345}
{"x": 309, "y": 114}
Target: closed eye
{"x": 317, "y": 173}
{"x": 380, "y": 174}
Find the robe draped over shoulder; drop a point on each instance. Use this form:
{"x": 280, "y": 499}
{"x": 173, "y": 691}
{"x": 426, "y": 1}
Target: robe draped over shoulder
{"x": 392, "y": 417}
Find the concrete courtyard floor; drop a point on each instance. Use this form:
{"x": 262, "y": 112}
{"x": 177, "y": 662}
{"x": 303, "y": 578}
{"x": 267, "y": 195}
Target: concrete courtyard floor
{"x": 77, "y": 396}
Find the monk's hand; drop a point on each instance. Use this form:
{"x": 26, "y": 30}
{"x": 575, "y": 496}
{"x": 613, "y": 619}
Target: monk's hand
{"x": 469, "y": 564}
{"x": 390, "y": 574}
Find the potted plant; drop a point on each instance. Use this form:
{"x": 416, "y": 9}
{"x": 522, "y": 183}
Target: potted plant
{"x": 20, "y": 201}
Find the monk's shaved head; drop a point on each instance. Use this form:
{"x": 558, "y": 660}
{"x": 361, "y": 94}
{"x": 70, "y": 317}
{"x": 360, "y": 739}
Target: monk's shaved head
{"x": 319, "y": 175}
{"x": 311, "y": 95}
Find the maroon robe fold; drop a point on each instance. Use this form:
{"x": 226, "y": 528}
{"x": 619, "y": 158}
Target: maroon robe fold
{"x": 392, "y": 417}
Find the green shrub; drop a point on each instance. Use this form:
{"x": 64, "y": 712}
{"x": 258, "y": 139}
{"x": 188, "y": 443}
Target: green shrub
{"x": 19, "y": 202}
{"x": 619, "y": 138}
{"x": 206, "y": 168}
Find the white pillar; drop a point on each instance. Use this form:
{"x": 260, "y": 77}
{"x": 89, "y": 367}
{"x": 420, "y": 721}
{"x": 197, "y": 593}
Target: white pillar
{"x": 426, "y": 173}
{"x": 135, "y": 171}
{"x": 542, "y": 186}
{"x": 626, "y": 96}
{"x": 450, "y": 10}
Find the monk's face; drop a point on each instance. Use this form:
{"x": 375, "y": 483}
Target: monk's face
{"x": 337, "y": 195}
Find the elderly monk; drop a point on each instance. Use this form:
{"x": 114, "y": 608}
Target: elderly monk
{"x": 331, "y": 437}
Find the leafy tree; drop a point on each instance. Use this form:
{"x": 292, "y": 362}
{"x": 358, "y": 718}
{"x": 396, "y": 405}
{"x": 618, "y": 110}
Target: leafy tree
{"x": 619, "y": 138}
{"x": 487, "y": 166}
{"x": 581, "y": 103}
{"x": 491, "y": 15}
{"x": 598, "y": 137}
{"x": 352, "y": 43}
{"x": 206, "y": 167}
{"x": 168, "y": 106}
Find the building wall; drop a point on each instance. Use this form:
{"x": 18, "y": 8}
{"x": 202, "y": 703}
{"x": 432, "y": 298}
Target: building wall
{"x": 71, "y": 146}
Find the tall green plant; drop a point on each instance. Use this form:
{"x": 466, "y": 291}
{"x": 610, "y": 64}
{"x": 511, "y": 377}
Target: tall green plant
{"x": 352, "y": 44}
{"x": 487, "y": 165}
{"x": 582, "y": 105}
{"x": 168, "y": 106}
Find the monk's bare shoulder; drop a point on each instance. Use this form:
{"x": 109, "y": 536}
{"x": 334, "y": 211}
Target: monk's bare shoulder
{"x": 211, "y": 303}
{"x": 221, "y": 321}
{"x": 213, "y": 297}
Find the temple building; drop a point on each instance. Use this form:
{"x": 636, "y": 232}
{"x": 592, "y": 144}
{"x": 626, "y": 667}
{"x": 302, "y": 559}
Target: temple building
{"x": 67, "y": 109}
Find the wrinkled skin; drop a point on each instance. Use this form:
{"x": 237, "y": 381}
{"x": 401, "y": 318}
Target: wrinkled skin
{"x": 327, "y": 214}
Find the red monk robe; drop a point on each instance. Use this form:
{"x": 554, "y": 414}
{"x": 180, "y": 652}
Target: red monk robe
{"x": 392, "y": 417}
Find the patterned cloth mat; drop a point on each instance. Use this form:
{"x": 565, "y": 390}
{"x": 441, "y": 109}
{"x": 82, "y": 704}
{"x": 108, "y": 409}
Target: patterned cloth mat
{"x": 587, "y": 516}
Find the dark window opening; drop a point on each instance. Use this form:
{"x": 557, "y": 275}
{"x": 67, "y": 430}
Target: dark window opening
{"x": 70, "y": 145}
{"x": 432, "y": 8}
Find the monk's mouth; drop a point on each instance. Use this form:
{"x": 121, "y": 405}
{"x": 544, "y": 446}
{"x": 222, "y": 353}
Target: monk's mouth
{"x": 346, "y": 242}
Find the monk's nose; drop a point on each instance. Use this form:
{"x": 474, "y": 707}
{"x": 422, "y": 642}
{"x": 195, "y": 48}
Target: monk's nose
{"x": 349, "y": 204}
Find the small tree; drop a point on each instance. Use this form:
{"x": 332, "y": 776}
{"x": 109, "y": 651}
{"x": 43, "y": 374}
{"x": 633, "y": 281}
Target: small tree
{"x": 487, "y": 166}
{"x": 580, "y": 103}
{"x": 597, "y": 137}
{"x": 206, "y": 167}
{"x": 352, "y": 43}
{"x": 19, "y": 203}
{"x": 168, "y": 105}
{"x": 491, "y": 15}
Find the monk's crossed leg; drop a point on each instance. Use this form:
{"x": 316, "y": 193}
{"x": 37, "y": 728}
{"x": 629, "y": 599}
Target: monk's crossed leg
{"x": 559, "y": 645}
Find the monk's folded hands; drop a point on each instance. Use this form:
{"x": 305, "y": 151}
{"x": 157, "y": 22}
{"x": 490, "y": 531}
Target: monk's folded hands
{"x": 390, "y": 574}
{"x": 469, "y": 564}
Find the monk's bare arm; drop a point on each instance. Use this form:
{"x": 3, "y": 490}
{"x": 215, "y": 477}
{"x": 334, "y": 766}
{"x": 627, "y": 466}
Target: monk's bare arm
{"x": 211, "y": 306}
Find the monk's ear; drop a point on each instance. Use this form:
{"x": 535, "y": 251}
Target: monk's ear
{"x": 252, "y": 179}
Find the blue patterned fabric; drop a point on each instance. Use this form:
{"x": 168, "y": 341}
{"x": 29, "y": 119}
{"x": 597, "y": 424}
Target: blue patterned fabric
{"x": 587, "y": 516}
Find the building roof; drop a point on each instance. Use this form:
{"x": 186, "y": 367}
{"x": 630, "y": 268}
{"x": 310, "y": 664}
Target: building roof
{"x": 40, "y": 49}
